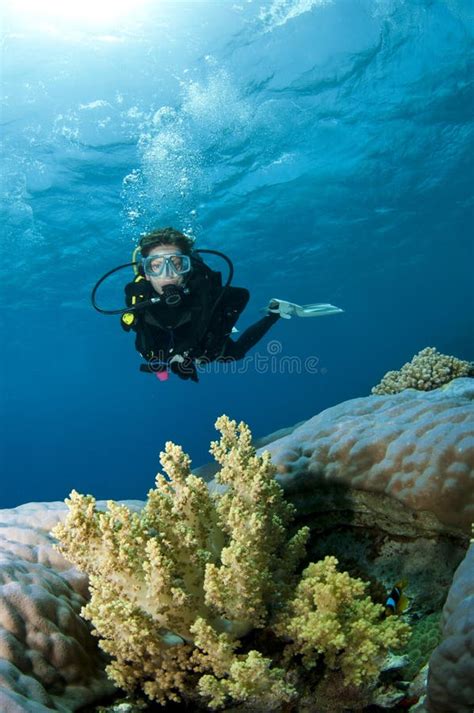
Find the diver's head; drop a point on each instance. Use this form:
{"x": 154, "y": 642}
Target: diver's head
{"x": 166, "y": 259}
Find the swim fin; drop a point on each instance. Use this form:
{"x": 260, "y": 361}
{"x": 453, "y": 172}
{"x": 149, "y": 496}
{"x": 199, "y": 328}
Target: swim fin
{"x": 287, "y": 310}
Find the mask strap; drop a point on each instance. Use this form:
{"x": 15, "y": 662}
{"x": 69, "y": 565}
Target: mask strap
{"x": 134, "y": 260}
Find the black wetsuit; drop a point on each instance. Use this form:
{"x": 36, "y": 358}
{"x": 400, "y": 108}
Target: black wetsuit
{"x": 197, "y": 329}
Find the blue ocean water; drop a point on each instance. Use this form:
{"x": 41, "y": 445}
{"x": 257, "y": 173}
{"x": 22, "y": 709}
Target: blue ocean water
{"x": 324, "y": 145}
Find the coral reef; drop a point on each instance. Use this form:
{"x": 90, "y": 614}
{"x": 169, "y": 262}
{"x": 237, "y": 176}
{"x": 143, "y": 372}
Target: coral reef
{"x": 416, "y": 447}
{"x": 330, "y": 615}
{"x": 425, "y": 637}
{"x": 429, "y": 369}
{"x": 451, "y": 669}
{"x": 385, "y": 484}
{"x": 175, "y": 588}
{"x": 48, "y": 659}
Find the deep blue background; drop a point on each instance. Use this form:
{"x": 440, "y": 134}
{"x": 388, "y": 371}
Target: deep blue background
{"x": 324, "y": 146}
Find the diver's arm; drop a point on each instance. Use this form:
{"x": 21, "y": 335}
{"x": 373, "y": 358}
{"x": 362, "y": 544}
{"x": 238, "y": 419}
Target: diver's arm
{"x": 234, "y": 302}
{"x": 135, "y": 292}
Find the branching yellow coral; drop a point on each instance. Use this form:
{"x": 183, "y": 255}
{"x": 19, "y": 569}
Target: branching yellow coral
{"x": 426, "y": 371}
{"x": 246, "y": 677}
{"x": 146, "y": 576}
{"x": 330, "y": 615}
{"x": 174, "y": 587}
{"x": 258, "y": 558}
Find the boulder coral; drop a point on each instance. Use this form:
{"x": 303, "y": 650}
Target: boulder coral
{"x": 451, "y": 669}
{"x": 416, "y": 447}
{"x": 48, "y": 659}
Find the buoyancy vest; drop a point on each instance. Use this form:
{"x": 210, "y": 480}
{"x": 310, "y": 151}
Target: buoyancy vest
{"x": 192, "y": 329}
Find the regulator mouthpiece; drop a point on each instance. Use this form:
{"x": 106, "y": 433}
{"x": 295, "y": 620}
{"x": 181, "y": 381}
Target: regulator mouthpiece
{"x": 172, "y": 295}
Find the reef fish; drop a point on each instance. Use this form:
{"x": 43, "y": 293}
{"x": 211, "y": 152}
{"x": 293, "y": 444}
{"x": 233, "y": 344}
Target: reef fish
{"x": 397, "y": 601}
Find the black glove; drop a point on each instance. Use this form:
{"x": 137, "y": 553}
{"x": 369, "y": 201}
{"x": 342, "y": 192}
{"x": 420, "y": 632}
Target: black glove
{"x": 185, "y": 369}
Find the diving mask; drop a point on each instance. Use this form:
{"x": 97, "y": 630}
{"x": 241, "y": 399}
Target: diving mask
{"x": 168, "y": 265}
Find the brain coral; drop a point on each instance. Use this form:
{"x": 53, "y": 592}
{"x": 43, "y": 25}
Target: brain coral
{"x": 451, "y": 671}
{"x": 48, "y": 659}
{"x": 428, "y": 370}
{"x": 415, "y": 446}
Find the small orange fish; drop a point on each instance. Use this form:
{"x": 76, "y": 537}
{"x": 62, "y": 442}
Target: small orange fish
{"x": 397, "y": 602}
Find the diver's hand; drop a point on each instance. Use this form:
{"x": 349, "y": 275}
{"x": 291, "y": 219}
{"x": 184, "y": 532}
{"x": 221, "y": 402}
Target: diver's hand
{"x": 184, "y": 368}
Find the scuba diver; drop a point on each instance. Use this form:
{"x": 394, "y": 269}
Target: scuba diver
{"x": 181, "y": 312}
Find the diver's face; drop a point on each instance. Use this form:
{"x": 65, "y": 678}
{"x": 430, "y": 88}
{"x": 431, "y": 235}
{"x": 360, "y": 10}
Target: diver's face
{"x": 159, "y": 282}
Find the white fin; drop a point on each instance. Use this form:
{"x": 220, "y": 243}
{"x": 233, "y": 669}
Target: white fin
{"x": 287, "y": 310}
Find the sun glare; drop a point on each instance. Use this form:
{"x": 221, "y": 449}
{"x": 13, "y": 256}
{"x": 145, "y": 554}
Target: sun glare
{"x": 76, "y": 11}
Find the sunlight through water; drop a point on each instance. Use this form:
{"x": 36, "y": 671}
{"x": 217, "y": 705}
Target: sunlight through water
{"x": 85, "y": 11}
